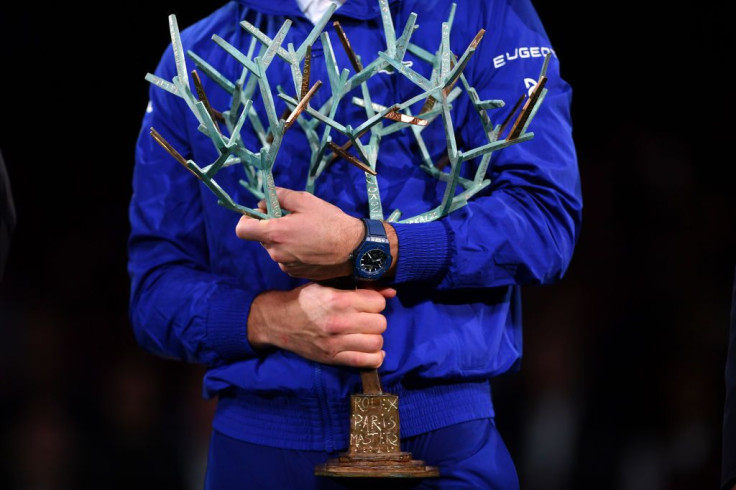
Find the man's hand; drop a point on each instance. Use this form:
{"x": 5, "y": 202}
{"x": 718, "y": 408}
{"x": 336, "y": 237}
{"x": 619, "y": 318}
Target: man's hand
{"x": 313, "y": 241}
{"x": 323, "y": 324}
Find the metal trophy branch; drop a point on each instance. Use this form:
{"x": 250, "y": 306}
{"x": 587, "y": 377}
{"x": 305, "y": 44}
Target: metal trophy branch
{"x": 374, "y": 429}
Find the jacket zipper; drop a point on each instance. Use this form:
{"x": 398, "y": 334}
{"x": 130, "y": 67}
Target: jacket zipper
{"x": 325, "y": 417}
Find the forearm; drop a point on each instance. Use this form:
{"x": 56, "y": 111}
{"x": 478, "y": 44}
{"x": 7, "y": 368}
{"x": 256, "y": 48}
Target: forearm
{"x": 179, "y": 307}
{"x": 192, "y": 317}
{"x": 514, "y": 236}
{"x": 265, "y": 312}
{"x": 523, "y": 227}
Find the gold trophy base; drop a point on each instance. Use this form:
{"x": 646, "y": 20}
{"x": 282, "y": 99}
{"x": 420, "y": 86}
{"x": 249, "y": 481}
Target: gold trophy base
{"x": 374, "y": 443}
{"x": 399, "y": 465}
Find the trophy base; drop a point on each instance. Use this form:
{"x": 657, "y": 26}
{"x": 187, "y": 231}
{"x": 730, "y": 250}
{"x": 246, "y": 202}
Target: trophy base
{"x": 398, "y": 465}
{"x": 373, "y": 450}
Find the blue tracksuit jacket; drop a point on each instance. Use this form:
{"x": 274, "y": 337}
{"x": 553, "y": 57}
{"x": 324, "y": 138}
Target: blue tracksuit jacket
{"x": 456, "y": 321}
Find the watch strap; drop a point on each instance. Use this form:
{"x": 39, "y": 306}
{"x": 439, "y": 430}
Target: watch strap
{"x": 374, "y": 227}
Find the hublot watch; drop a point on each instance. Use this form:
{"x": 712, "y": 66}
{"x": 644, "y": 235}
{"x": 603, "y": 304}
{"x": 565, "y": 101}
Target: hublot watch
{"x": 372, "y": 258}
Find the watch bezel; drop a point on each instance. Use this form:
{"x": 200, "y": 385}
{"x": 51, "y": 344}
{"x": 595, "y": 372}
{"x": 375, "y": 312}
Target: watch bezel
{"x": 384, "y": 260}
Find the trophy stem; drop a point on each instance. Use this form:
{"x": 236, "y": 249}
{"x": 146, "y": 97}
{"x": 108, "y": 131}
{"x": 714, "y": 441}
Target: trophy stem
{"x": 371, "y": 382}
{"x": 374, "y": 447}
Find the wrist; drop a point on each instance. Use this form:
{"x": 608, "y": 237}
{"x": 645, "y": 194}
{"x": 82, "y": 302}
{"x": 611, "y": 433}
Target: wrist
{"x": 260, "y": 317}
{"x": 393, "y": 241}
{"x": 355, "y": 234}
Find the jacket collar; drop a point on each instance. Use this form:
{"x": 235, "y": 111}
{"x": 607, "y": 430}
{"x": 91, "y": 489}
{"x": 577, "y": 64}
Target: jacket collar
{"x": 356, "y": 9}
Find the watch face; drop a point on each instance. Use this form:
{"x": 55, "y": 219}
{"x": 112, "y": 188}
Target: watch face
{"x": 373, "y": 260}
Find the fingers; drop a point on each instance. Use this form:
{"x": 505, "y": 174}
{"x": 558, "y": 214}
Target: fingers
{"x": 367, "y": 300}
{"x": 253, "y": 229}
{"x": 269, "y": 232}
{"x": 358, "y": 350}
{"x": 369, "y": 344}
{"x": 385, "y": 291}
{"x": 293, "y": 200}
{"x": 360, "y": 359}
{"x": 342, "y": 302}
{"x": 325, "y": 324}
{"x": 274, "y": 230}
{"x": 356, "y": 323}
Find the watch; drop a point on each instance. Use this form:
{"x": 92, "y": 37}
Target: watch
{"x": 372, "y": 258}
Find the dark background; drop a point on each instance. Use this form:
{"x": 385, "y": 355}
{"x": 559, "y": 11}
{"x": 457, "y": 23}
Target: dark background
{"x": 622, "y": 381}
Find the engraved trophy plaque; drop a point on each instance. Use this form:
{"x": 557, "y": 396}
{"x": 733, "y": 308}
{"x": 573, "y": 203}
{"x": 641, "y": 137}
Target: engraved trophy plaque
{"x": 374, "y": 444}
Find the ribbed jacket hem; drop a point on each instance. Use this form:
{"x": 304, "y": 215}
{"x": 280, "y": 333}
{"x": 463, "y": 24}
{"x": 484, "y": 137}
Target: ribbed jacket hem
{"x": 299, "y": 422}
{"x": 227, "y": 331}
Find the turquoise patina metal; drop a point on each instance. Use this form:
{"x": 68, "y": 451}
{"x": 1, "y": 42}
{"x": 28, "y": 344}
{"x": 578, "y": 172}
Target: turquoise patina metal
{"x": 439, "y": 92}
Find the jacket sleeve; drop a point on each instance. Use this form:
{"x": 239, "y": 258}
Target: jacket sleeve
{"x": 178, "y": 307}
{"x": 523, "y": 228}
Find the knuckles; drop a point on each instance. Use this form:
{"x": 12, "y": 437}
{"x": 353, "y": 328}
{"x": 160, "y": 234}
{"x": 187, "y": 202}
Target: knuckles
{"x": 334, "y": 300}
{"x": 333, "y": 325}
{"x": 272, "y": 234}
{"x": 330, "y": 348}
{"x": 302, "y": 197}
{"x": 353, "y": 359}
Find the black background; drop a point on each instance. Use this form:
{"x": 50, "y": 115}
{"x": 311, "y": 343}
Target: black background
{"x": 622, "y": 382}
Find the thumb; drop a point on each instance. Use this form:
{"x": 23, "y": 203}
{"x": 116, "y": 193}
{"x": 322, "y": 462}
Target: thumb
{"x": 252, "y": 229}
{"x": 292, "y": 200}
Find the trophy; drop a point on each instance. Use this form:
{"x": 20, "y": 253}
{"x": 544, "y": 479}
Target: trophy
{"x": 374, "y": 444}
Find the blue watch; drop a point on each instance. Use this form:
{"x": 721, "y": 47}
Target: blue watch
{"x": 372, "y": 258}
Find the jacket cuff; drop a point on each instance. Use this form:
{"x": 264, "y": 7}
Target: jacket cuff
{"x": 227, "y": 324}
{"x": 424, "y": 251}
